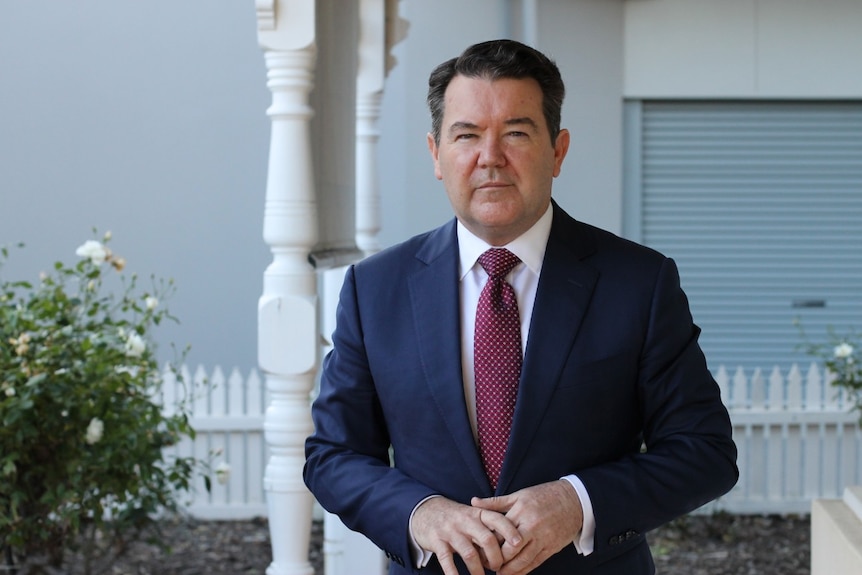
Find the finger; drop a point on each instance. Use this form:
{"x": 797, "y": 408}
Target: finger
{"x": 510, "y": 552}
{"x": 504, "y": 529}
{"x": 469, "y": 555}
{"x": 488, "y": 543}
{"x": 447, "y": 562}
{"x": 472, "y": 557}
{"x": 527, "y": 560}
{"x": 492, "y": 558}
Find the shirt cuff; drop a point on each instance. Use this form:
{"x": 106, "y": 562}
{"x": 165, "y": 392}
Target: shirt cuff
{"x": 420, "y": 556}
{"x": 585, "y": 542}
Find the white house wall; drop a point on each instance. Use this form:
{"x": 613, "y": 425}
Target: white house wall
{"x": 743, "y": 49}
{"x": 585, "y": 38}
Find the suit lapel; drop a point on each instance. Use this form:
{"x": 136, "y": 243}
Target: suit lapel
{"x": 435, "y": 303}
{"x": 562, "y": 298}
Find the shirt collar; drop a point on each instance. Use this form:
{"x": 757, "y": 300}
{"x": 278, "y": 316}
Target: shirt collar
{"x": 529, "y": 246}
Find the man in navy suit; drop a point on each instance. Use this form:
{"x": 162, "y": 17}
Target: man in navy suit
{"x": 618, "y": 426}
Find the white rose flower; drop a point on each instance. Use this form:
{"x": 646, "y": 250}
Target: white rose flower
{"x": 135, "y": 345}
{"x": 222, "y": 472}
{"x": 10, "y": 392}
{"x": 94, "y": 431}
{"x": 843, "y": 351}
{"x": 125, "y": 369}
{"x": 152, "y": 302}
{"x": 93, "y": 250}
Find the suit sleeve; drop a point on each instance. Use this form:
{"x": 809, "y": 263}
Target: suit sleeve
{"x": 689, "y": 457}
{"x": 347, "y": 457}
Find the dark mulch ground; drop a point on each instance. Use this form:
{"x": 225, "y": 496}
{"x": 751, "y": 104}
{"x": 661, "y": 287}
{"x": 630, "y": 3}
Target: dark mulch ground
{"x": 695, "y": 545}
{"x": 733, "y": 545}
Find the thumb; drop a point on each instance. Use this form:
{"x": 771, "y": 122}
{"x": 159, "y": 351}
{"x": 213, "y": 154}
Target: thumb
{"x": 500, "y": 504}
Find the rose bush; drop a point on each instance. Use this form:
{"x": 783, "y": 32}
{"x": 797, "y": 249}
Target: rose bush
{"x": 845, "y": 364}
{"x": 842, "y": 359}
{"x": 83, "y": 434}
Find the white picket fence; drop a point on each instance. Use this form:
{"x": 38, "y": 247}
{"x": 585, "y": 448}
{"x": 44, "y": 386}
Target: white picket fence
{"x": 227, "y": 414}
{"x": 797, "y": 437}
{"x": 797, "y": 440}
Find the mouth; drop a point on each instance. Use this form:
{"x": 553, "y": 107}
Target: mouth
{"x": 493, "y": 185}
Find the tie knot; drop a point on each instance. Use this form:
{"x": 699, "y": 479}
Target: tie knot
{"x": 498, "y": 262}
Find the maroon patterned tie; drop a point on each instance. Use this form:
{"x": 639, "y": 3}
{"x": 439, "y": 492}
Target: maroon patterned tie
{"x": 497, "y": 357}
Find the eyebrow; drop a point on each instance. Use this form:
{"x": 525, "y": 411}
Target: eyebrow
{"x": 519, "y": 121}
{"x": 458, "y": 126}
{"x": 526, "y": 120}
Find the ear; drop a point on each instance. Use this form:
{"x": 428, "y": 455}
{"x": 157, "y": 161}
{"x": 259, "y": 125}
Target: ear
{"x": 435, "y": 155}
{"x": 561, "y": 147}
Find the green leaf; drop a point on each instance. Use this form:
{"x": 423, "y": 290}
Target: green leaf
{"x": 36, "y": 379}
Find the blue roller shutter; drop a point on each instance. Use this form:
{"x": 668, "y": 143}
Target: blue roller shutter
{"x": 760, "y": 204}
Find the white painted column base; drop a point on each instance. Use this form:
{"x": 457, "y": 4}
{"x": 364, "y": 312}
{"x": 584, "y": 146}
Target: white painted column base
{"x": 836, "y": 534}
{"x": 347, "y": 552}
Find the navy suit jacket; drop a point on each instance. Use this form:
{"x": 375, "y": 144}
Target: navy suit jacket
{"x": 614, "y": 388}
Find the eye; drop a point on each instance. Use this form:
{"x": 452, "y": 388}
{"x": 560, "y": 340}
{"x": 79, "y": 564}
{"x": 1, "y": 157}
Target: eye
{"x": 465, "y": 136}
{"x": 517, "y": 134}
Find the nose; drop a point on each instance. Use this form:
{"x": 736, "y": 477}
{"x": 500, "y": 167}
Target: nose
{"x": 491, "y": 154}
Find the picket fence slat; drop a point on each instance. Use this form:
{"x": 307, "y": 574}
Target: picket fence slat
{"x": 796, "y": 436}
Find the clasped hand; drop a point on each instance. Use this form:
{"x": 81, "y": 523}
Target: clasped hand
{"x": 511, "y": 534}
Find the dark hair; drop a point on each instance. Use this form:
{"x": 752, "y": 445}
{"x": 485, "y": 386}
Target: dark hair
{"x": 494, "y": 60}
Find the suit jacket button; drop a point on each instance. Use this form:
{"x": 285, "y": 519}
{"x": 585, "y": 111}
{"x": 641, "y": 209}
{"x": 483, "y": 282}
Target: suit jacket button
{"x": 614, "y": 540}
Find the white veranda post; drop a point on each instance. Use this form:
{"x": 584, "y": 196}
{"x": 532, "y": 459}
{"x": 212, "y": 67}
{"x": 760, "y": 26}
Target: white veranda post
{"x": 316, "y": 75}
{"x": 380, "y": 29}
{"x": 288, "y": 333}
{"x": 369, "y": 93}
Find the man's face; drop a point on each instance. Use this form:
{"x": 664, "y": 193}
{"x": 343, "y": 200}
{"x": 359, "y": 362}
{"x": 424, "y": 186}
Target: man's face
{"x": 495, "y": 156}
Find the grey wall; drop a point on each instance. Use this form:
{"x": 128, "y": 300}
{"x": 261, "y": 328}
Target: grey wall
{"x": 146, "y": 119}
